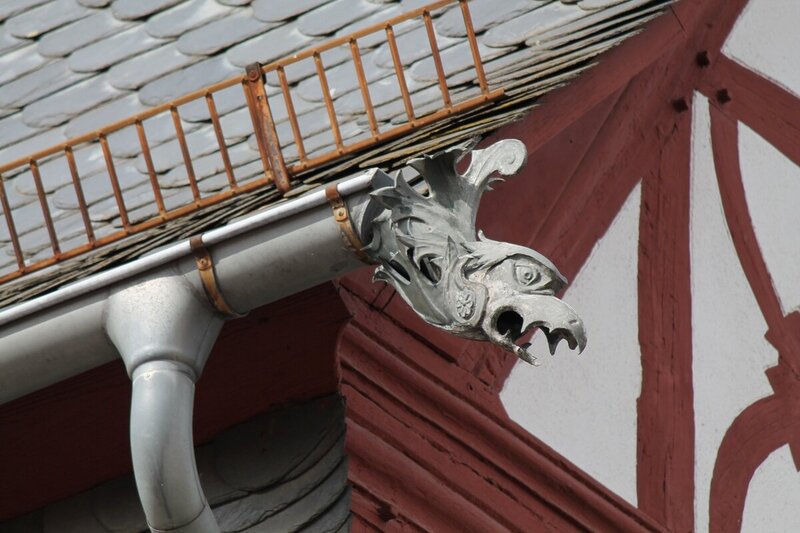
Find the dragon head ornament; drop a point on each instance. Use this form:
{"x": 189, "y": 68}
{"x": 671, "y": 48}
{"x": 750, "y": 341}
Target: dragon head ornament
{"x": 427, "y": 248}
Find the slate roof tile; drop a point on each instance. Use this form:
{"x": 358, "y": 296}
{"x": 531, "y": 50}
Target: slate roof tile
{"x": 598, "y": 4}
{"x": 412, "y": 46}
{"x": 61, "y": 106}
{"x": 243, "y": 174}
{"x": 540, "y": 20}
{"x": 222, "y": 33}
{"x": 55, "y": 173}
{"x": 210, "y": 164}
{"x": 236, "y": 124}
{"x": 271, "y": 11}
{"x": 26, "y": 217}
{"x": 510, "y": 60}
{"x": 225, "y": 100}
{"x": 97, "y": 187}
{"x": 335, "y": 15}
{"x": 374, "y": 39}
{"x": 395, "y": 108}
{"x": 138, "y": 203}
{"x": 381, "y": 92}
{"x": 342, "y": 78}
{"x": 193, "y": 77}
{"x": 68, "y": 226}
{"x": 301, "y": 70}
{"x": 19, "y": 62}
{"x": 104, "y": 114}
{"x": 94, "y": 3}
{"x": 160, "y": 129}
{"x": 485, "y": 14}
{"x": 9, "y": 8}
{"x": 38, "y": 83}
{"x": 103, "y": 54}
{"x": 236, "y": 2}
{"x": 44, "y": 18}
{"x": 15, "y": 198}
{"x": 457, "y": 58}
{"x": 8, "y": 42}
{"x": 13, "y": 129}
{"x": 592, "y": 22}
{"x": 32, "y": 144}
{"x": 314, "y": 143}
{"x": 71, "y": 37}
{"x": 143, "y": 68}
{"x": 168, "y": 155}
{"x": 184, "y": 17}
{"x": 136, "y": 9}
{"x": 274, "y": 44}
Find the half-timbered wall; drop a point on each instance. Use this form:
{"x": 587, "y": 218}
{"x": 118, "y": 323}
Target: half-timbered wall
{"x": 721, "y": 187}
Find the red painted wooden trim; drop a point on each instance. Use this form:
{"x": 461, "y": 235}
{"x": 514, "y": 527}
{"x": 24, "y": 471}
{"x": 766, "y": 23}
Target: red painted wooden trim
{"x": 420, "y": 495}
{"x": 448, "y": 406}
{"x": 770, "y": 110}
{"x": 771, "y": 422}
{"x": 758, "y": 431}
{"x": 383, "y": 417}
{"x": 725, "y": 146}
{"x": 665, "y": 458}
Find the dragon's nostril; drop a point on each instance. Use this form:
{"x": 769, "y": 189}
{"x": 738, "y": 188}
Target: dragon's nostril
{"x": 510, "y": 323}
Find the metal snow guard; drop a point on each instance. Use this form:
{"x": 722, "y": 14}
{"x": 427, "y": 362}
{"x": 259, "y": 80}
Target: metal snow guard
{"x": 275, "y": 168}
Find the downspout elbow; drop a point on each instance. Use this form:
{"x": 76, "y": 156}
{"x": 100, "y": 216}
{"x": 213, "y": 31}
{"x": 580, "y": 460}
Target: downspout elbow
{"x": 164, "y": 332}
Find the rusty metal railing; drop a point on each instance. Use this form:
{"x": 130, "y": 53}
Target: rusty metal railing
{"x": 273, "y": 163}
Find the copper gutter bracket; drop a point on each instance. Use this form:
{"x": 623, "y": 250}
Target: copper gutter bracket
{"x": 342, "y": 217}
{"x": 205, "y": 268}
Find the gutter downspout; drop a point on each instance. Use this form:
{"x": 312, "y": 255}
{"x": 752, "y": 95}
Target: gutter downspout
{"x": 155, "y": 314}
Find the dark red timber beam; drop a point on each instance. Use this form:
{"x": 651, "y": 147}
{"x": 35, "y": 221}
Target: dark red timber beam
{"x": 771, "y": 422}
{"x": 665, "y": 458}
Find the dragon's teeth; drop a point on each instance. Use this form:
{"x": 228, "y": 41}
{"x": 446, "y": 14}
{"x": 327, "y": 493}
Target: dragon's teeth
{"x": 553, "y": 342}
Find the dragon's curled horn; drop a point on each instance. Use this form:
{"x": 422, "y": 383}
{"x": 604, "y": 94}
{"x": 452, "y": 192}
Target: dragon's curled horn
{"x": 427, "y": 248}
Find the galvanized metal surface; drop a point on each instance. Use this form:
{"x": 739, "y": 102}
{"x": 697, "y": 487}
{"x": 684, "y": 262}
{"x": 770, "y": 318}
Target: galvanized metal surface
{"x": 526, "y": 64}
{"x": 454, "y": 277}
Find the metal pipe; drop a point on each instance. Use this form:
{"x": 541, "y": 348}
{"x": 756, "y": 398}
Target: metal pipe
{"x": 164, "y": 330}
{"x": 163, "y": 450}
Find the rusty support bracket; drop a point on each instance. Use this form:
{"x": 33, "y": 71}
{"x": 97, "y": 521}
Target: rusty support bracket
{"x": 342, "y": 217}
{"x": 205, "y": 267}
{"x": 264, "y": 127}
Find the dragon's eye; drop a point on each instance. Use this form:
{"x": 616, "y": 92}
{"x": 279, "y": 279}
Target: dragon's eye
{"x": 526, "y": 275}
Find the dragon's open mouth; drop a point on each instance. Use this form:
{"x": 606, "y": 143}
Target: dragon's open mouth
{"x": 509, "y": 325}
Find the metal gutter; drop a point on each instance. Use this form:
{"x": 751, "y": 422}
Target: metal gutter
{"x": 175, "y": 251}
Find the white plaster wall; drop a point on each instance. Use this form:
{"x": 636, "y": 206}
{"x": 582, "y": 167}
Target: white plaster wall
{"x": 585, "y": 407}
{"x": 772, "y": 187}
{"x": 766, "y": 40}
{"x": 773, "y": 498}
{"x": 729, "y": 350}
